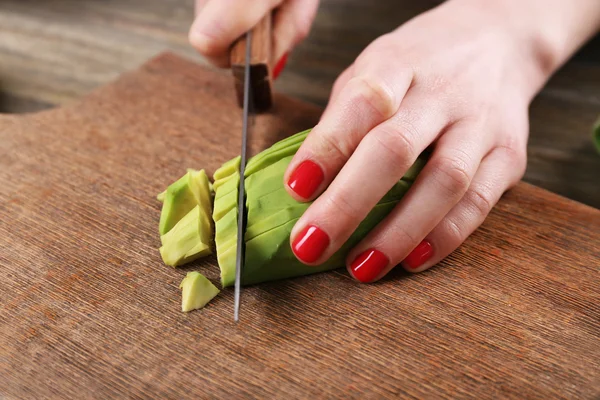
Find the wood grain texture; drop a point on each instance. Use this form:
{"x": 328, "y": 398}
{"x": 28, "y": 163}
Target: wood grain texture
{"x": 54, "y": 51}
{"x": 90, "y": 311}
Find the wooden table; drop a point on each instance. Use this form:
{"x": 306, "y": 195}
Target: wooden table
{"x": 54, "y": 51}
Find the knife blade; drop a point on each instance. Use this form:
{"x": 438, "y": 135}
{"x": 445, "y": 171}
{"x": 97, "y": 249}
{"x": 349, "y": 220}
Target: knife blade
{"x": 251, "y": 67}
{"x": 239, "y": 261}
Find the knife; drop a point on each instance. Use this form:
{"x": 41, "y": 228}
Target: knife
{"x": 250, "y": 64}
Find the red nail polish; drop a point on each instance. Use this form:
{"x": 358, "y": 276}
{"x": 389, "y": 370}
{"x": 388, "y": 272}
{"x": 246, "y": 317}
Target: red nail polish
{"x": 310, "y": 244}
{"x": 368, "y": 265}
{"x": 306, "y": 178}
{"x": 280, "y": 65}
{"x": 419, "y": 255}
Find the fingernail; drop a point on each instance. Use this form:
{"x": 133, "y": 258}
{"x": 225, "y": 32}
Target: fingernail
{"x": 305, "y": 179}
{"x": 368, "y": 265}
{"x": 310, "y": 244}
{"x": 280, "y": 66}
{"x": 419, "y": 255}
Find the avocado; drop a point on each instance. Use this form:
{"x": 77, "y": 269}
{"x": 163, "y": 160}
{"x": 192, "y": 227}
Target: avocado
{"x": 196, "y": 291}
{"x": 227, "y": 169}
{"x": 192, "y": 235}
{"x": 268, "y": 157}
{"x": 183, "y": 243}
{"x": 181, "y": 196}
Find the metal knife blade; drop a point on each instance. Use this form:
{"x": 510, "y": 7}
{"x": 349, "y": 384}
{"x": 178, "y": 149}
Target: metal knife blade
{"x": 239, "y": 264}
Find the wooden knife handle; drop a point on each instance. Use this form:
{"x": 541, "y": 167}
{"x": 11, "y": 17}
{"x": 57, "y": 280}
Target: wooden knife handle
{"x": 260, "y": 65}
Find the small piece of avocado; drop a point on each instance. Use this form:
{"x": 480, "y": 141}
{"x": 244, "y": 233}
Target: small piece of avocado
{"x": 197, "y": 291}
{"x": 192, "y": 235}
{"x": 178, "y": 201}
{"x": 184, "y": 243}
{"x": 161, "y": 196}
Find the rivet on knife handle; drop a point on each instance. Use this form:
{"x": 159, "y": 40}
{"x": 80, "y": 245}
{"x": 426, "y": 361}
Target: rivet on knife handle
{"x": 260, "y": 65}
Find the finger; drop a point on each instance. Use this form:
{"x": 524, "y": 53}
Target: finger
{"x": 500, "y": 170}
{"x": 339, "y": 83}
{"x": 220, "y": 23}
{"x": 385, "y": 154}
{"x": 291, "y": 24}
{"x": 364, "y": 102}
{"x": 440, "y": 185}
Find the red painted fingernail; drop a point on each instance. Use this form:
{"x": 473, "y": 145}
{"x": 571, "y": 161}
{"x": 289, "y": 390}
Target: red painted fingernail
{"x": 310, "y": 244}
{"x": 280, "y": 65}
{"x": 306, "y": 178}
{"x": 419, "y": 255}
{"x": 368, "y": 265}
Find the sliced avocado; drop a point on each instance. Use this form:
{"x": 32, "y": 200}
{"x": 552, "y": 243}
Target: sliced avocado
{"x": 227, "y": 169}
{"x": 180, "y": 198}
{"x": 226, "y": 231}
{"x": 227, "y": 185}
{"x": 265, "y": 157}
{"x": 197, "y": 291}
{"x": 224, "y": 204}
{"x": 183, "y": 243}
{"x": 274, "y": 220}
{"x": 267, "y": 180}
{"x": 271, "y": 158}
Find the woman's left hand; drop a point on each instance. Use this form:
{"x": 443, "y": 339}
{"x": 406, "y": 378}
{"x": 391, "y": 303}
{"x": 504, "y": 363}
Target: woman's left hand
{"x": 456, "y": 76}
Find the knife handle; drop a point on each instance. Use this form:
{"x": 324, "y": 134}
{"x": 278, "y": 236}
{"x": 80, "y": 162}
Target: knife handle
{"x": 260, "y": 65}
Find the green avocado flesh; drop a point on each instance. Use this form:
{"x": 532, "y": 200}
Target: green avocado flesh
{"x": 271, "y": 215}
{"x": 196, "y": 291}
{"x": 191, "y": 232}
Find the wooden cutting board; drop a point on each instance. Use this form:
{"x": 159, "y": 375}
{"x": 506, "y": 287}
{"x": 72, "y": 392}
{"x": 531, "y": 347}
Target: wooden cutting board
{"x": 90, "y": 311}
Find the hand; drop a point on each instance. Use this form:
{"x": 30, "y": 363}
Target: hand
{"x": 457, "y": 76}
{"x": 219, "y": 23}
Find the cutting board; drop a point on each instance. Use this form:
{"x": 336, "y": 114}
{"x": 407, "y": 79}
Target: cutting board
{"x": 90, "y": 311}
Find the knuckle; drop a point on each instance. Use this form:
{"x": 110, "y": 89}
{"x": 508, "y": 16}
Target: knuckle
{"x": 454, "y": 234}
{"x": 452, "y": 173}
{"x": 339, "y": 203}
{"x": 516, "y": 156}
{"x": 205, "y": 44}
{"x": 397, "y": 143}
{"x": 397, "y": 236}
{"x": 332, "y": 148}
{"x": 375, "y": 94}
{"x": 480, "y": 200}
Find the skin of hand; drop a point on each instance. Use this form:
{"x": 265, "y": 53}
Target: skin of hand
{"x": 459, "y": 79}
{"x": 219, "y": 23}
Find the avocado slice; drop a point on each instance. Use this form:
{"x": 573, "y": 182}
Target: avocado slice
{"x": 183, "y": 243}
{"x": 225, "y": 203}
{"x": 181, "y": 196}
{"x": 191, "y": 236}
{"x": 269, "y": 156}
{"x": 196, "y": 291}
{"x": 227, "y": 169}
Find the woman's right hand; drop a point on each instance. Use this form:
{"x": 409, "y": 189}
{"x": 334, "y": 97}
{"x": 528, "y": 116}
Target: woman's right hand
{"x": 219, "y": 23}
